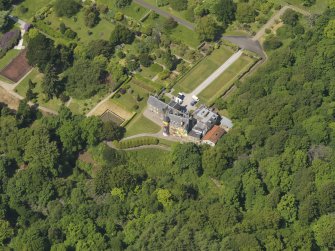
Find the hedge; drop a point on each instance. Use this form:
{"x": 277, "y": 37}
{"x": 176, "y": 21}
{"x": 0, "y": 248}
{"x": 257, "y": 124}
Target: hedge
{"x": 136, "y": 142}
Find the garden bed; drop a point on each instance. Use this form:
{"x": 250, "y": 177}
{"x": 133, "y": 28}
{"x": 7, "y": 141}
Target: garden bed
{"x": 17, "y": 68}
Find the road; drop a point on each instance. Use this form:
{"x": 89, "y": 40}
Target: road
{"x": 23, "y": 31}
{"x": 246, "y": 43}
{"x": 211, "y": 78}
{"x": 163, "y": 13}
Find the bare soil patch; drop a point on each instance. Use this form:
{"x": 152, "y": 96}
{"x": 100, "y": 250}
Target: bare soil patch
{"x": 17, "y": 68}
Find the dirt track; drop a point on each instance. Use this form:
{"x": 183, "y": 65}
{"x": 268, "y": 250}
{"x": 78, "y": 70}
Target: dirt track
{"x": 11, "y": 101}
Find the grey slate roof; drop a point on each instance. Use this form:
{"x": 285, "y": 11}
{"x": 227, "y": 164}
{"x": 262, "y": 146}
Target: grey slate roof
{"x": 155, "y": 102}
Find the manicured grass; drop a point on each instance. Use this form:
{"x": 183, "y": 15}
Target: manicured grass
{"x": 128, "y": 100}
{"x": 167, "y": 8}
{"x": 226, "y": 79}
{"x": 37, "y": 77}
{"x": 154, "y": 161}
{"x": 32, "y": 5}
{"x": 100, "y": 31}
{"x": 83, "y": 106}
{"x": 179, "y": 33}
{"x": 317, "y": 8}
{"x": 10, "y": 55}
{"x": 152, "y": 71}
{"x": 141, "y": 124}
{"x": 203, "y": 70}
{"x": 133, "y": 10}
{"x": 186, "y": 36}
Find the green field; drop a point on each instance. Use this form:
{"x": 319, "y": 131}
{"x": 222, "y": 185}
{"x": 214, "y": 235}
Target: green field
{"x": 128, "y": 101}
{"x": 10, "y": 55}
{"x": 154, "y": 161}
{"x": 133, "y": 10}
{"x": 317, "y": 8}
{"x": 168, "y": 9}
{"x": 186, "y": 36}
{"x": 83, "y": 106}
{"x": 36, "y": 77}
{"x": 32, "y": 5}
{"x": 100, "y": 31}
{"x": 226, "y": 79}
{"x": 141, "y": 124}
{"x": 203, "y": 70}
{"x": 180, "y": 33}
{"x": 151, "y": 71}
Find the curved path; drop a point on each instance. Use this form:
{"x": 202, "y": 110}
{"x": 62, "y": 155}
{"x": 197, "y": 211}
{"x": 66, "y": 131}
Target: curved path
{"x": 91, "y": 112}
{"x": 163, "y": 13}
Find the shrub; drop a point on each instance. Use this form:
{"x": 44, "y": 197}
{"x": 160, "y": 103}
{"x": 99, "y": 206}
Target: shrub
{"x": 122, "y": 3}
{"x": 62, "y": 28}
{"x": 178, "y": 5}
{"x": 123, "y": 91}
{"x": 23, "y": 9}
{"x": 8, "y": 41}
{"x": 66, "y": 7}
{"x": 121, "y": 54}
{"x": 145, "y": 60}
{"x": 272, "y": 43}
{"x": 70, "y": 33}
{"x": 64, "y": 98}
{"x": 119, "y": 16}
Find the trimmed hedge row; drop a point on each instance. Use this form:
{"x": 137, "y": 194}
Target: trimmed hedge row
{"x": 136, "y": 142}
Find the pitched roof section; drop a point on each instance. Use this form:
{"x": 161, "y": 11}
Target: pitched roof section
{"x": 155, "y": 102}
{"x": 214, "y": 134}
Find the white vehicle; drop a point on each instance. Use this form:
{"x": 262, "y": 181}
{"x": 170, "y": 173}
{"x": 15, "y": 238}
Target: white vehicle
{"x": 195, "y": 98}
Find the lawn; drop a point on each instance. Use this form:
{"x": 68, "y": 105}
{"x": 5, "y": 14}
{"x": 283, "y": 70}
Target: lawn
{"x": 100, "y": 31}
{"x": 134, "y": 10}
{"x": 37, "y": 77}
{"x": 154, "y": 161}
{"x": 203, "y": 70}
{"x": 128, "y": 101}
{"x": 317, "y": 8}
{"x": 141, "y": 124}
{"x": 226, "y": 79}
{"x": 151, "y": 71}
{"x": 10, "y": 55}
{"x": 32, "y": 5}
{"x": 168, "y": 9}
{"x": 180, "y": 33}
{"x": 83, "y": 106}
{"x": 186, "y": 36}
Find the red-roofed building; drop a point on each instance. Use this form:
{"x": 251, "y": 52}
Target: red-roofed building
{"x": 213, "y": 135}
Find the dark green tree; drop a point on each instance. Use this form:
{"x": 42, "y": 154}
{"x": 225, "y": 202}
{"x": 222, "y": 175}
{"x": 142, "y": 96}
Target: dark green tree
{"x": 66, "y": 8}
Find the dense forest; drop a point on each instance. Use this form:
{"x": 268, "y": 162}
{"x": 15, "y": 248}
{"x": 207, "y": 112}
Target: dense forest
{"x": 269, "y": 184}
